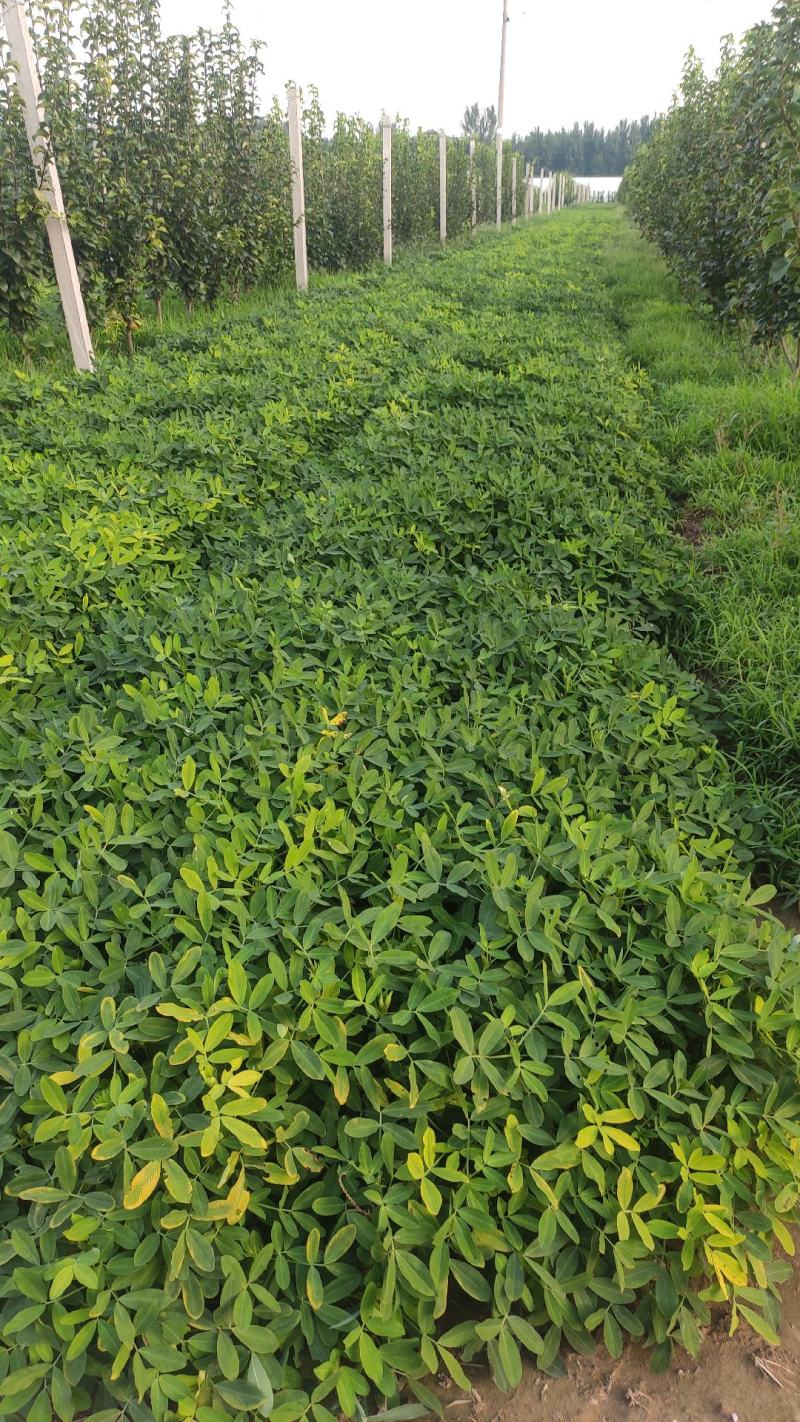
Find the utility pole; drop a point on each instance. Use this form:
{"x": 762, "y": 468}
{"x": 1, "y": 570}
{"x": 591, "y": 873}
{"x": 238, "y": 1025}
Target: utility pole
{"x": 48, "y": 185}
{"x": 500, "y": 111}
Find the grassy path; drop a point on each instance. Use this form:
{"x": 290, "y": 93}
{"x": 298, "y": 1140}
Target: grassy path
{"x": 376, "y": 930}
{"x": 729, "y": 431}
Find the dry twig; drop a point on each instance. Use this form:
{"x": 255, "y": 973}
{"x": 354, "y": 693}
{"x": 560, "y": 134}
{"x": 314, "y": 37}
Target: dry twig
{"x": 777, "y": 1370}
{"x": 635, "y": 1398}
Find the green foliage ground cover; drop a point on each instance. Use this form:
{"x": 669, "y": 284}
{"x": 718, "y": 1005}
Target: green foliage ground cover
{"x": 728, "y": 428}
{"x": 381, "y": 977}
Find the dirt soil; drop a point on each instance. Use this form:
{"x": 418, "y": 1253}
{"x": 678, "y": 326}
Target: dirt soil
{"x": 726, "y": 1383}
{"x": 692, "y": 525}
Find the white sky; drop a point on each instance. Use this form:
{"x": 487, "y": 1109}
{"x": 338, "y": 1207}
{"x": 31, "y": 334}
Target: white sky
{"x": 427, "y": 59}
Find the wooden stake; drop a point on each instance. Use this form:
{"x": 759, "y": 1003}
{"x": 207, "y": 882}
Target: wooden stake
{"x": 473, "y": 184}
{"x": 443, "y": 186}
{"x": 514, "y": 190}
{"x": 48, "y": 185}
{"x": 387, "y": 190}
{"x": 298, "y": 189}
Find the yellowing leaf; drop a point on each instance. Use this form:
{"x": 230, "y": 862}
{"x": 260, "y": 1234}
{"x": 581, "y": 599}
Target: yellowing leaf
{"x": 431, "y": 1196}
{"x": 245, "y": 1133}
{"x": 621, "y": 1138}
{"x": 142, "y": 1185}
{"x": 178, "y": 1011}
{"x": 729, "y": 1267}
{"x": 314, "y": 1291}
{"x": 341, "y": 1085}
{"x": 161, "y": 1117}
{"x": 415, "y": 1166}
{"x": 218, "y": 1031}
{"x": 625, "y": 1188}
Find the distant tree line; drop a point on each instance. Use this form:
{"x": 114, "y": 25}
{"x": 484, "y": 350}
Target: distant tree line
{"x": 590, "y": 151}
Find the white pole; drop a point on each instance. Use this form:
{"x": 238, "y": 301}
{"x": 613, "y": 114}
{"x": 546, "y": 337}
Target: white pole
{"x": 473, "y": 184}
{"x": 541, "y": 191}
{"x": 387, "y": 190}
{"x": 527, "y": 189}
{"x": 442, "y": 186}
{"x": 298, "y": 190}
{"x": 500, "y": 110}
{"x": 48, "y": 185}
{"x": 514, "y": 190}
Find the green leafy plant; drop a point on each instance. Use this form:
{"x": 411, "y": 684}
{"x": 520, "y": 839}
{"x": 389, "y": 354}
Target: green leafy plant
{"x": 383, "y": 983}
{"x": 22, "y": 236}
{"x": 716, "y": 186}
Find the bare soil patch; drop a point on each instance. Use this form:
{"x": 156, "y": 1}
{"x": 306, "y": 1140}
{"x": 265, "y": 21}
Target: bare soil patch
{"x": 738, "y": 1379}
{"x": 692, "y": 525}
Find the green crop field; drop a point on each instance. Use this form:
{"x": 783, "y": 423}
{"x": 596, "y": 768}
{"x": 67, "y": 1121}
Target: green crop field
{"x": 383, "y": 981}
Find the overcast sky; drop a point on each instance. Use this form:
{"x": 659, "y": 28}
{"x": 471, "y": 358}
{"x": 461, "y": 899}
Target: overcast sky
{"x": 568, "y": 60}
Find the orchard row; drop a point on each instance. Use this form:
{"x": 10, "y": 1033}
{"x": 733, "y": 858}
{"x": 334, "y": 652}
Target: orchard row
{"x": 717, "y": 186}
{"x": 174, "y": 180}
